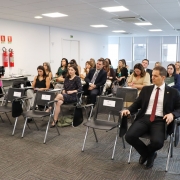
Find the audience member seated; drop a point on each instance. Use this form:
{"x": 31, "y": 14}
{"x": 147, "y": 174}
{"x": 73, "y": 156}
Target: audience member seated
{"x": 93, "y": 63}
{"x": 171, "y": 72}
{"x": 109, "y": 61}
{"x": 75, "y": 63}
{"x": 145, "y": 63}
{"x": 41, "y": 83}
{"x": 110, "y": 76}
{"x": 177, "y": 65}
{"x": 139, "y": 78}
{"x": 157, "y": 104}
{"x": 94, "y": 80}
{"x": 47, "y": 68}
{"x": 121, "y": 72}
{"x": 157, "y": 64}
{"x": 85, "y": 71}
{"x": 61, "y": 73}
{"x": 72, "y": 85}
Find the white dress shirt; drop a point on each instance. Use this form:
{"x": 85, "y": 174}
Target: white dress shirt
{"x": 159, "y": 108}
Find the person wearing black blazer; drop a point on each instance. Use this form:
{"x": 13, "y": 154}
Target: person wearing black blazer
{"x": 167, "y": 109}
{"x": 93, "y": 84}
{"x": 145, "y": 63}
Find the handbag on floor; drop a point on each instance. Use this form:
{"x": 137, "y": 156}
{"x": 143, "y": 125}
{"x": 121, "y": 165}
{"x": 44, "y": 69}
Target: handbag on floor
{"x": 65, "y": 121}
{"x": 16, "y": 108}
{"x": 78, "y": 116}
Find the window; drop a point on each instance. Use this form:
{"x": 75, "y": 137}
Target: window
{"x": 139, "y": 52}
{"x": 169, "y": 52}
{"x": 113, "y": 54}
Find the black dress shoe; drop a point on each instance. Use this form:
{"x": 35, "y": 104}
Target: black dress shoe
{"x": 150, "y": 161}
{"x": 29, "y": 120}
{"x": 52, "y": 126}
{"x": 142, "y": 160}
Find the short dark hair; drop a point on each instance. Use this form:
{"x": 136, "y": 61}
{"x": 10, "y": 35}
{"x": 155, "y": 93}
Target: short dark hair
{"x": 101, "y": 60}
{"x": 162, "y": 70}
{"x": 141, "y": 68}
{"x": 145, "y": 60}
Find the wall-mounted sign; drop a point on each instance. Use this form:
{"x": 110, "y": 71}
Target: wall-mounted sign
{"x": 9, "y": 39}
{"x": 3, "y": 39}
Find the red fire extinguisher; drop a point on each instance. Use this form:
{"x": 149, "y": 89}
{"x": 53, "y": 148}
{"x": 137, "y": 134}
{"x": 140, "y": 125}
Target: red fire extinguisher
{"x": 11, "y": 58}
{"x": 5, "y": 57}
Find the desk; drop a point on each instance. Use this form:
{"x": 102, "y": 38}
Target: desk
{"x": 9, "y": 81}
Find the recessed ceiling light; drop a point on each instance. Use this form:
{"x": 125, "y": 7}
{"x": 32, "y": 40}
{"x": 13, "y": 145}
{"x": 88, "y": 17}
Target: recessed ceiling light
{"x": 38, "y": 17}
{"x": 99, "y": 26}
{"x": 56, "y": 14}
{"x": 143, "y": 24}
{"x": 154, "y": 30}
{"x": 119, "y": 31}
{"x": 115, "y": 9}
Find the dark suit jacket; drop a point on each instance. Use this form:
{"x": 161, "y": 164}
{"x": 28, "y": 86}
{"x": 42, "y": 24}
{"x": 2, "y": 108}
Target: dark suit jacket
{"x": 100, "y": 80}
{"x": 171, "y": 103}
{"x": 150, "y": 73}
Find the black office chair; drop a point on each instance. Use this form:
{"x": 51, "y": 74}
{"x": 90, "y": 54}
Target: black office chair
{"x": 46, "y": 99}
{"x": 107, "y": 106}
{"x": 12, "y": 94}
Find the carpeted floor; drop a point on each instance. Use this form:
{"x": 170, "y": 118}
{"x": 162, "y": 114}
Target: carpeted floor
{"x": 61, "y": 157}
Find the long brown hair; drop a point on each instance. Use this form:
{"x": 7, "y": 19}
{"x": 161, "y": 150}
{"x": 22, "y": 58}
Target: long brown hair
{"x": 141, "y": 68}
{"x": 106, "y": 66}
{"x": 76, "y": 70}
{"x": 123, "y": 63}
{"x": 44, "y": 72}
{"x": 90, "y": 63}
{"x": 48, "y": 66}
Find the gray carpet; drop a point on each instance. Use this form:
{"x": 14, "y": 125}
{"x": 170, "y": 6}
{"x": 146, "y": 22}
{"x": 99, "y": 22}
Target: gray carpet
{"x": 61, "y": 157}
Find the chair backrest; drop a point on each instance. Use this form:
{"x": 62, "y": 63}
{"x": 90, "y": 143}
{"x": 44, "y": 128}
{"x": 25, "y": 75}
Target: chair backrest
{"x": 43, "y": 97}
{"x": 128, "y": 94}
{"x": 108, "y": 105}
{"x": 17, "y": 83}
{"x": 14, "y": 93}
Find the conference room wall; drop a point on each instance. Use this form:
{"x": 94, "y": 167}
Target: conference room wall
{"x": 34, "y": 44}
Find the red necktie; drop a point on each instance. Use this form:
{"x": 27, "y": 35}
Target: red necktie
{"x": 154, "y": 105}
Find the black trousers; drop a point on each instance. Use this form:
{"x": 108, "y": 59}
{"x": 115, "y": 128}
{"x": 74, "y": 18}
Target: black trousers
{"x": 156, "y": 130}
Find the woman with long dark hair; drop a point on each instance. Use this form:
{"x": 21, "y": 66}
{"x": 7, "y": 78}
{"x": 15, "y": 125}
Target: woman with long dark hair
{"x": 72, "y": 85}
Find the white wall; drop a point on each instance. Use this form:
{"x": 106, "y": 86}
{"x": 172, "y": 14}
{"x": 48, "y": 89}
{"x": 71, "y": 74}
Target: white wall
{"x": 34, "y": 44}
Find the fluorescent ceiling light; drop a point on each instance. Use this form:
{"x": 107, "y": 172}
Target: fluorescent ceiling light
{"x": 98, "y": 26}
{"x": 119, "y": 31}
{"x": 38, "y": 17}
{"x": 155, "y": 30}
{"x": 115, "y": 9}
{"x": 143, "y": 24}
{"x": 56, "y": 14}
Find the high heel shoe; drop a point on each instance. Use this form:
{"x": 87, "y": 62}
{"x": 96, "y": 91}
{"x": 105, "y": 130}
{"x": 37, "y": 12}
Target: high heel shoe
{"x": 52, "y": 126}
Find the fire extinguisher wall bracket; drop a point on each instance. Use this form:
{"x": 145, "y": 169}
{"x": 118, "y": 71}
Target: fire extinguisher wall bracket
{"x": 5, "y": 57}
{"x": 11, "y": 58}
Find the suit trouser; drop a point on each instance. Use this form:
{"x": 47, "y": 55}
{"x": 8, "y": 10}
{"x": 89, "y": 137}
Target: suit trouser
{"x": 156, "y": 130}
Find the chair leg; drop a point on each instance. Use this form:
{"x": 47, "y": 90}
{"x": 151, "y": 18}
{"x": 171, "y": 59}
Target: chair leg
{"x": 36, "y": 124}
{"x": 169, "y": 153}
{"x": 95, "y": 135}
{"x": 14, "y": 126}
{"x": 130, "y": 152}
{"x": 123, "y": 142}
{"x": 114, "y": 148}
{"x": 24, "y": 127}
{"x": 1, "y": 119}
{"x": 8, "y": 118}
{"x": 87, "y": 129}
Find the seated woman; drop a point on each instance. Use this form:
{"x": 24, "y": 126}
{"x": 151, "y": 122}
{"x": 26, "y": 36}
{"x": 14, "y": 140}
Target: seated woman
{"x": 171, "y": 72}
{"x": 110, "y": 76}
{"x": 85, "y": 71}
{"x": 121, "y": 72}
{"x": 62, "y": 71}
{"x": 157, "y": 64}
{"x": 139, "y": 78}
{"x": 93, "y": 63}
{"x": 109, "y": 61}
{"x": 41, "y": 83}
{"x": 72, "y": 85}
{"x": 47, "y": 68}
{"x": 177, "y": 66}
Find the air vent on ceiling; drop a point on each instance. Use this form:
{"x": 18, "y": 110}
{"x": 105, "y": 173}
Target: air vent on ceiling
{"x": 130, "y": 19}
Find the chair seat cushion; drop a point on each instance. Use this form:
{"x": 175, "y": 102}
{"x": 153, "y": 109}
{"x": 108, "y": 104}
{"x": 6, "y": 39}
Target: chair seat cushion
{"x": 100, "y": 124}
{"x": 5, "y": 109}
{"x": 35, "y": 114}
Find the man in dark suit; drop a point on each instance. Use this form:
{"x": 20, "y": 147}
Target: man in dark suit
{"x": 94, "y": 79}
{"x": 145, "y": 63}
{"x": 158, "y": 105}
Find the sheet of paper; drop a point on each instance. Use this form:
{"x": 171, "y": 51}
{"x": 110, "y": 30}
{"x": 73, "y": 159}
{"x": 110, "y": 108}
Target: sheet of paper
{"x": 109, "y": 103}
{"x": 17, "y": 94}
{"x": 46, "y": 97}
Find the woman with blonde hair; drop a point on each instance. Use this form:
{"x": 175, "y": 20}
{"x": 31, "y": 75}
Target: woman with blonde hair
{"x": 93, "y": 63}
{"x": 157, "y": 64}
{"x": 177, "y": 66}
{"x": 88, "y": 66}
